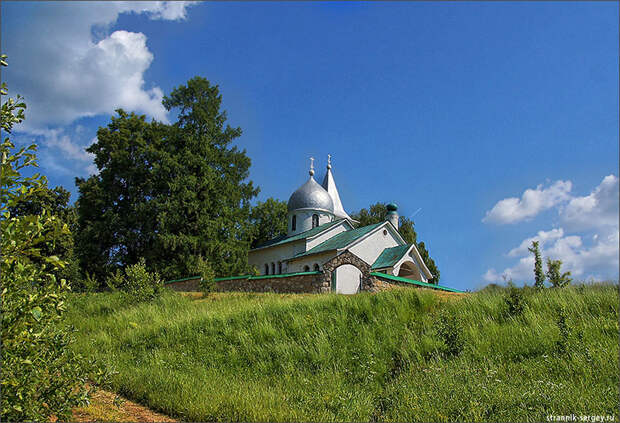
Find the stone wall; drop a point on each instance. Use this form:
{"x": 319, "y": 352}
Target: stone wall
{"x": 300, "y": 283}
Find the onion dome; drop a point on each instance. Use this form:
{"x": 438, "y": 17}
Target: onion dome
{"x": 311, "y": 195}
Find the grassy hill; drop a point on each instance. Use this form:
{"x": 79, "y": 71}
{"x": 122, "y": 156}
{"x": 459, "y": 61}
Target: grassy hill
{"x": 403, "y": 355}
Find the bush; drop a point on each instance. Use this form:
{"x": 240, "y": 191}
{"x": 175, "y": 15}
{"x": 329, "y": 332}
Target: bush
{"x": 450, "y": 330}
{"x": 41, "y": 375}
{"x": 555, "y": 275}
{"x": 207, "y": 276}
{"x": 136, "y": 281}
{"x": 515, "y": 301}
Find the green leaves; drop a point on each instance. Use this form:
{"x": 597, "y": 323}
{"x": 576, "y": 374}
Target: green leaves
{"x": 168, "y": 193}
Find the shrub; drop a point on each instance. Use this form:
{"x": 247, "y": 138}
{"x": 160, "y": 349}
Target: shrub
{"x": 207, "y": 276}
{"x": 514, "y": 300}
{"x": 562, "y": 344}
{"x": 136, "y": 281}
{"x": 142, "y": 283}
{"x": 449, "y": 329}
{"x": 41, "y": 375}
{"x": 555, "y": 275}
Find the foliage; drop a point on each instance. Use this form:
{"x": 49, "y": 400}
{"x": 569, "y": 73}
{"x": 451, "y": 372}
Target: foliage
{"x": 515, "y": 301}
{"x": 168, "y": 193}
{"x": 55, "y": 202}
{"x": 406, "y": 227}
{"x": 562, "y": 344}
{"x": 268, "y": 220}
{"x": 136, "y": 281}
{"x": 41, "y": 375}
{"x": 449, "y": 329}
{"x": 539, "y": 275}
{"x": 207, "y": 276}
{"x": 277, "y": 357}
{"x": 555, "y": 275}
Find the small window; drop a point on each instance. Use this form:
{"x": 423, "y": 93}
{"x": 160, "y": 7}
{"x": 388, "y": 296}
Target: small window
{"x": 385, "y": 232}
{"x": 294, "y": 223}
{"x": 306, "y": 268}
{"x": 266, "y": 269}
{"x": 273, "y": 268}
{"x": 279, "y": 268}
{"x": 316, "y": 267}
{"x": 315, "y": 220}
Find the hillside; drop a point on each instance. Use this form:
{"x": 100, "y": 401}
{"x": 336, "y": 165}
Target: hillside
{"x": 402, "y": 355}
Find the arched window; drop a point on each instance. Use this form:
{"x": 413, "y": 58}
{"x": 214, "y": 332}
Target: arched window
{"x": 306, "y": 268}
{"x": 273, "y": 268}
{"x": 316, "y": 267}
{"x": 279, "y": 268}
{"x": 266, "y": 269}
{"x": 315, "y": 220}
{"x": 294, "y": 223}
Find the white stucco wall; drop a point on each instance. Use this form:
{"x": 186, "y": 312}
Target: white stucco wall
{"x": 348, "y": 279}
{"x": 370, "y": 247}
{"x": 304, "y": 220}
{"x": 298, "y": 265}
{"x": 275, "y": 254}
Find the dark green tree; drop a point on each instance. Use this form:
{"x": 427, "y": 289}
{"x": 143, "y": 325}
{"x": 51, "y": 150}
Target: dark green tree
{"x": 406, "y": 227}
{"x": 539, "y": 274}
{"x": 268, "y": 220}
{"x": 116, "y": 213}
{"x": 172, "y": 194}
{"x": 205, "y": 207}
{"x": 555, "y": 275}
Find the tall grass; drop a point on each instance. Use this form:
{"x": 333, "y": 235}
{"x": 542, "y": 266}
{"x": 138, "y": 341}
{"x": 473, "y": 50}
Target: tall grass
{"x": 402, "y": 355}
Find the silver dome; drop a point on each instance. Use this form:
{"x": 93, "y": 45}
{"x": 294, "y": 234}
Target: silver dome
{"x": 311, "y": 195}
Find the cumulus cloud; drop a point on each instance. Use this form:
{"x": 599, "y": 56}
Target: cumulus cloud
{"x": 587, "y": 243}
{"x": 65, "y": 74}
{"x": 598, "y": 209}
{"x": 531, "y": 203}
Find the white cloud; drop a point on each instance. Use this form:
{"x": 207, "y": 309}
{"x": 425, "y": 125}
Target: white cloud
{"x": 64, "y": 74}
{"x": 542, "y": 237}
{"x": 532, "y": 202}
{"x": 587, "y": 243}
{"x": 596, "y": 210}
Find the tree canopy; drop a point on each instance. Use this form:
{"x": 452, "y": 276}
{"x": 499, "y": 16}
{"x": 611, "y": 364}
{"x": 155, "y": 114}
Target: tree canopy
{"x": 376, "y": 213}
{"x": 268, "y": 220}
{"x": 173, "y": 194}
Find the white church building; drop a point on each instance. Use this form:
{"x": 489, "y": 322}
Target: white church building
{"x": 320, "y": 230}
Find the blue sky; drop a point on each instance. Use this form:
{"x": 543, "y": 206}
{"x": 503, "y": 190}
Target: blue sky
{"x": 498, "y": 120}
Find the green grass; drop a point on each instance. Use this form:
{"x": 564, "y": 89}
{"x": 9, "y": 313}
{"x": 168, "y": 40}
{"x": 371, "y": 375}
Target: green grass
{"x": 367, "y": 357}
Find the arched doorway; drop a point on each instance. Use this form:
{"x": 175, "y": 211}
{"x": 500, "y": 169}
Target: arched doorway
{"x": 346, "y": 273}
{"x": 346, "y": 279}
{"x": 410, "y": 271}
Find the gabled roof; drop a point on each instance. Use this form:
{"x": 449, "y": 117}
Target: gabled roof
{"x": 284, "y": 239}
{"x": 390, "y": 256}
{"x": 340, "y": 240}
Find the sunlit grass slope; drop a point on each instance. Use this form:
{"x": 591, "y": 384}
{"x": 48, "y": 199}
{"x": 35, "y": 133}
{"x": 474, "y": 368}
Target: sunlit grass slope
{"x": 269, "y": 357}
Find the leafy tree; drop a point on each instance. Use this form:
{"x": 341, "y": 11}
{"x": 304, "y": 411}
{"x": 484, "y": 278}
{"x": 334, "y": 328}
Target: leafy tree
{"x": 555, "y": 275}
{"x": 539, "y": 274}
{"x": 406, "y": 227}
{"x": 55, "y": 202}
{"x": 168, "y": 193}
{"x": 268, "y": 220}
{"x": 117, "y": 216}
{"x": 41, "y": 376}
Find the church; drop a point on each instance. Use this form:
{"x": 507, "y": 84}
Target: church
{"x": 322, "y": 237}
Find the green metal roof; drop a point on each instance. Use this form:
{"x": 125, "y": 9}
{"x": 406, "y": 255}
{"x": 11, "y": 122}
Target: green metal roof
{"x": 307, "y": 234}
{"x": 413, "y": 282}
{"x": 340, "y": 240}
{"x": 390, "y": 256}
{"x": 229, "y": 278}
